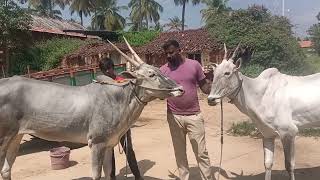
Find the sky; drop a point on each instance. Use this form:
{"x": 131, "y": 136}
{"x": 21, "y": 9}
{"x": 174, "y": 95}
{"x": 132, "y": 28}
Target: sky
{"x": 302, "y": 13}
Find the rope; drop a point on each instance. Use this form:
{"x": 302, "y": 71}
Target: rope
{"x": 126, "y": 142}
{"x": 121, "y": 152}
{"x": 221, "y": 135}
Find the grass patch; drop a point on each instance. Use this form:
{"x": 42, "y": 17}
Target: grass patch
{"x": 310, "y": 132}
{"x": 247, "y": 128}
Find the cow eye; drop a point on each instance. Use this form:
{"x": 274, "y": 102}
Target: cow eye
{"x": 227, "y": 73}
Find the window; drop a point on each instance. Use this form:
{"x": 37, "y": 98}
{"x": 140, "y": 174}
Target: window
{"x": 195, "y": 56}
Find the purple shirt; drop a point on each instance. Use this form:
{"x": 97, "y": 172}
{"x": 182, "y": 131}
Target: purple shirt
{"x": 188, "y": 76}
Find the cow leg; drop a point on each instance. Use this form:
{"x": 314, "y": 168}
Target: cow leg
{"x": 5, "y": 140}
{"x": 289, "y": 154}
{"x": 97, "y": 157}
{"x": 107, "y": 163}
{"x": 268, "y": 147}
{"x": 11, "y": 157}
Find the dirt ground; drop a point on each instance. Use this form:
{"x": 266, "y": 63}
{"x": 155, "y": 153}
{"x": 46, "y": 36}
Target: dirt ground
{"x": 242, "y": 158}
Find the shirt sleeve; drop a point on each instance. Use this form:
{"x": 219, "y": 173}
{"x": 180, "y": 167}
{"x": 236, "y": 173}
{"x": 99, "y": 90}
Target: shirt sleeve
{"x": 162, "y": 69}
{"x": 199, "y": 72}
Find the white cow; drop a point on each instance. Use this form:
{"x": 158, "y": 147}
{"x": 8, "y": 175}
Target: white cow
{"x": 278, "y": 104}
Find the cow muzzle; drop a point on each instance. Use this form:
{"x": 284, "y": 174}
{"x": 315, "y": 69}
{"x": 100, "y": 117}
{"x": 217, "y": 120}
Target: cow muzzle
{"x": 213, "y": 100}
{"x": 177, "y": 92}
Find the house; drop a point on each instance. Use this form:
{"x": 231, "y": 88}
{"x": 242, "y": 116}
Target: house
{"x": 91, "y": 54}
{"x": 305, "y": 44}
{"x": 43, "y": 28}
{"x": 195, "y": 44}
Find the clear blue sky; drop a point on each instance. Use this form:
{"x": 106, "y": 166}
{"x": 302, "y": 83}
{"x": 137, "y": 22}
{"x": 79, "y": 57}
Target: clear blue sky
{"x": 301, "y": 12}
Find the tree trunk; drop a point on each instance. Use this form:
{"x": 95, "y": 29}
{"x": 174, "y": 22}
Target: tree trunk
{"x": 81, "y": 17}
{"x": 50, "y": 9}
{"x": 183, "y": 13}
{"x": 141, "y": 17}
{"x": 147, "y": 23}
{"x": 7, "y": 60}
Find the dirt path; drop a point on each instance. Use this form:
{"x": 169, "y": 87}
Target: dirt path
{"x": 243, "y": 156}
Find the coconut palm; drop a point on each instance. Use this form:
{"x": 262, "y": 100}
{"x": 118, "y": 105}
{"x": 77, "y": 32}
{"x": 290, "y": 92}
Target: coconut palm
{"x": 107, "y": 16}
{"x": 145, "y": 11}
{"x": 175, "y": 24}
{"x": 183, "y": 4}
{"x": 213, "y": 6}
{"x": 82, "y": 7}
{"x": 46, "y": 7}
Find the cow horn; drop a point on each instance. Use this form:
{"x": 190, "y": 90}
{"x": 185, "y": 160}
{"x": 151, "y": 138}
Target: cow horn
{"x": 138, "y": 59}
{"x": 235, "y": 53}
{"x": 225, "y": 51}
{"x": 124, "y": 55}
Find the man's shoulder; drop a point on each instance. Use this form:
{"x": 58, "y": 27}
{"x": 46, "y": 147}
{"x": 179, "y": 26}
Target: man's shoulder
{"x": 163, "y": 67}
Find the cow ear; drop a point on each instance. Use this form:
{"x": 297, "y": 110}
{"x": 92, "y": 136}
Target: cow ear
{"x": 238, "y": 64}
{"x": 128, "y": 75}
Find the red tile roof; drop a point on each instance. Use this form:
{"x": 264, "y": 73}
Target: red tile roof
{"x": 305, "y": 44}
{"x": 193, "y": 40}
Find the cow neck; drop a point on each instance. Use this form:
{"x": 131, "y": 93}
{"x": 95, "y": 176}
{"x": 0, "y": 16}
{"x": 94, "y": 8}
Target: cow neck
{"x": 137, "y": 92}
{"x": 135, "y": 107}
{"x": 250, "y": 94}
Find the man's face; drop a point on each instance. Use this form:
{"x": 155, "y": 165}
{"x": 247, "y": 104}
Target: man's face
{"x": 173, "y": 53}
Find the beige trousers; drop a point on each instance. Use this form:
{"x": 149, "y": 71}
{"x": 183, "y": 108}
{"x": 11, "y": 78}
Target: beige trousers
{"x": 192, "y": 125}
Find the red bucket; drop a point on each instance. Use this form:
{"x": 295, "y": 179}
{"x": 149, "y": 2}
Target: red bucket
{"x": 60, "y": 158}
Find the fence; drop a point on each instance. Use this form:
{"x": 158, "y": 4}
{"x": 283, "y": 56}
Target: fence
{"x": 73, "y": 76}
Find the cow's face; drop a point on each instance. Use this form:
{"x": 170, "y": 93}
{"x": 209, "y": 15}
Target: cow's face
{"x": 226, "y": 79}
{"x": 153, "y": 82}
{"x": 149, "y": 78}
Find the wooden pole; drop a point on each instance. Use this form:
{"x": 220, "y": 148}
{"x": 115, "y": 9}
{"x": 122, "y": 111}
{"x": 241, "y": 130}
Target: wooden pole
{"x": 28, "y": 69}
{"x": 3, "y": 72}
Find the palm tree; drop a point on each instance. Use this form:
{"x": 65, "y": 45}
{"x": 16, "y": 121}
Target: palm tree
{"x": 145, "y": 11}
{"x": 175, "y": 24}
{"x": 46, "y": 7}
{"x": 82, "y": 7}
{"x": 108, "y": 16}
{"x": 213, "y": 6}
{"x": 183, "y": 3}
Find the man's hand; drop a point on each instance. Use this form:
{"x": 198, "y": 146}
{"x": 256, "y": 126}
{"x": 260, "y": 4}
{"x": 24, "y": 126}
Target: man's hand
{"x": 205, "y": 86}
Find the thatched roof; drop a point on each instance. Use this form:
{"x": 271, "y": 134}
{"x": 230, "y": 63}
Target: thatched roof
{"x": 191, "y": 41}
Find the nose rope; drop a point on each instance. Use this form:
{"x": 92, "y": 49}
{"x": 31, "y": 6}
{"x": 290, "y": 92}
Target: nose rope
{"x": 221, "y": 139}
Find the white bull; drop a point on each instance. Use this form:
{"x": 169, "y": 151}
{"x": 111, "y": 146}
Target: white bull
{"x": 278, "y": 104}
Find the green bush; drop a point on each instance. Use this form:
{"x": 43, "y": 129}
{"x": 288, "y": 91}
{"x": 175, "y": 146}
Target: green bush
{"x": 269, "y": 37}
{"x": 139, "y": 38}
{"x": 252, "y": 70}
{"x": 44, "y": 55}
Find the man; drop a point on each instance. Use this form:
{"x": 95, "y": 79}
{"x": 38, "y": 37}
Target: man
{"x": 183, "y": 113}
{"x": 106, "y": 66}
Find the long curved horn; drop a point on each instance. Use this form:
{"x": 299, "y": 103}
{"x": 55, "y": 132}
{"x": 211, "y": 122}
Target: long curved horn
{"x": 138, "y": 59}
{"x": 225, "y": 51}
{"x": 235, "y": 53}
{"x": 124, "y": 55}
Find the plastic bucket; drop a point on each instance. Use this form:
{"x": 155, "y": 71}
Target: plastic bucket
{"x": 60, "y": 158}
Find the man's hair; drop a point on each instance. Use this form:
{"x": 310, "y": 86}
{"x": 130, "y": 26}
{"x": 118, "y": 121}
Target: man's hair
{"x": 105, "y": 64}
{"x": 169, "y": 43}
